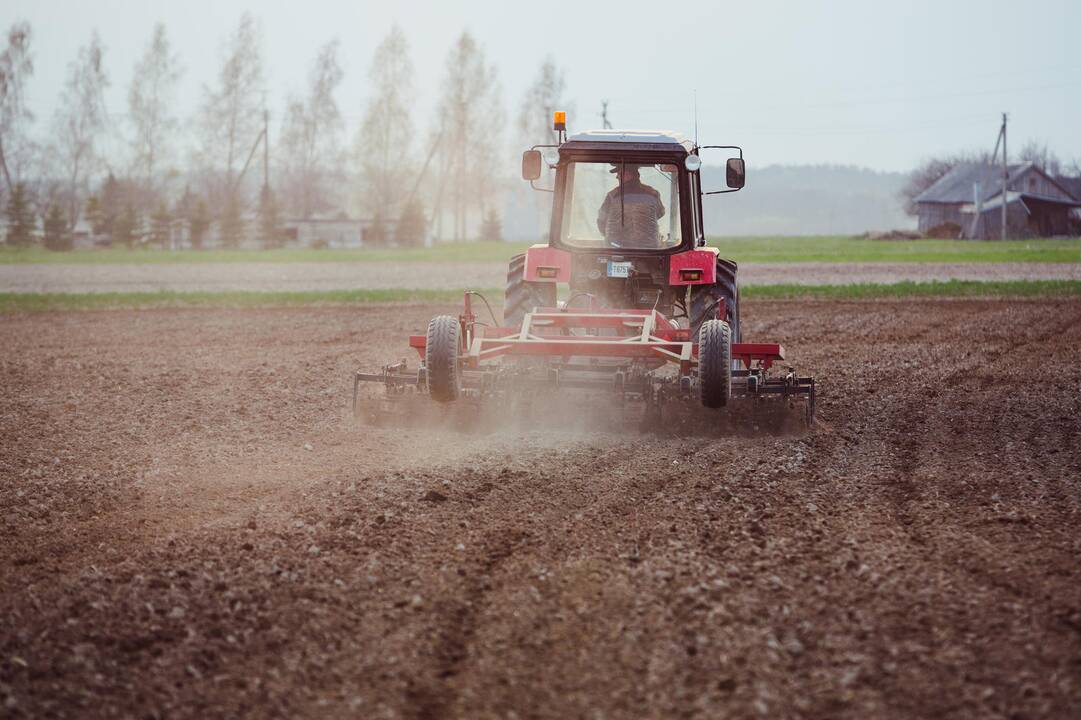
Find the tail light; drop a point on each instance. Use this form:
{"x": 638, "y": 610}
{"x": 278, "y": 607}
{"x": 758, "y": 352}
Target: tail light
{"x": 690, "y": 274}
{"x": 547, "y": 272}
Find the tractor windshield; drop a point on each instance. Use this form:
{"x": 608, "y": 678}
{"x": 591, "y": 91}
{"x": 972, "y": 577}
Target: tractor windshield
{"x": 621, "y": 205}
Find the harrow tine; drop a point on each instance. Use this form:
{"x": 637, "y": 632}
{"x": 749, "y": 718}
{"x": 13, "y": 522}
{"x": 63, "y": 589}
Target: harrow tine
{"x": 356, "y": 386}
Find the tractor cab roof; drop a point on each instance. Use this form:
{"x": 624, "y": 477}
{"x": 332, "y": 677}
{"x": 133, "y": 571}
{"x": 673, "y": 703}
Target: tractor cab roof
{"x": 663, "y": 140}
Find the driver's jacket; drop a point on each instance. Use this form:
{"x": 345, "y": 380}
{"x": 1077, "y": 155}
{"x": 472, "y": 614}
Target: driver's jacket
{"x": 632, "y": 221}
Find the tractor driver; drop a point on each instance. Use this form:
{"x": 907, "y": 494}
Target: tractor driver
{"x": 630, "y": 212}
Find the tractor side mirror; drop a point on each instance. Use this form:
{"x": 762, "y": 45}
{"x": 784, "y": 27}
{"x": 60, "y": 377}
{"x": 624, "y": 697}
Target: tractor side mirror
{"x": 735, "y": 173}
{"x": 531, "y": 165}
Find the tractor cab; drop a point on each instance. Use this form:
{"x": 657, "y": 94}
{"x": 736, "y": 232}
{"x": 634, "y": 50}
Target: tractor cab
{"x": 626, "y": 227}
{"x": 627, "y": 190}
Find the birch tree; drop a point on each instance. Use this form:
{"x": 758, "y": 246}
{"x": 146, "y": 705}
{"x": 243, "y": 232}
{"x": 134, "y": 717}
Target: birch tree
{"x": 150, "y": 101}
{"x": 80, "y": 121}
{"x": 230, "y": 118}
{"x": 312, "y": 137}
{"x": 470, "y": 95}
{"x": 16, "y": 67}
{"x": 383, "y": 143}
{"x": 544, "y": 96}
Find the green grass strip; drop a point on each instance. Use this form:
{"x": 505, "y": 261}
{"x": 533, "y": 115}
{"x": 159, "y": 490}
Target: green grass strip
{"x": 48, "y": 302}
{"x": 824, "y": 249}
{"x": 859, "y": 250}
{"x": 907, "y": 288}
{"x": 52, "y": 302}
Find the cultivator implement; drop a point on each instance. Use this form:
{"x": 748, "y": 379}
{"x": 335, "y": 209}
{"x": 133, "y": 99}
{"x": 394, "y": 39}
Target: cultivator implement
{"x": 627, "y": 355}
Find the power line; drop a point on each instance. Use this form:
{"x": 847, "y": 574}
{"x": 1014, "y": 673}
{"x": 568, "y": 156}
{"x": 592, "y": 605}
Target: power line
{"x": 956, "y": 123}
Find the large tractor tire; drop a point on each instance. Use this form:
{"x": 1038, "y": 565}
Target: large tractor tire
{"x": 714, "y": 363}
{"x": 521, "y": 296}
{"x": 441, "y": 358}
{"x": 703, "y": 298}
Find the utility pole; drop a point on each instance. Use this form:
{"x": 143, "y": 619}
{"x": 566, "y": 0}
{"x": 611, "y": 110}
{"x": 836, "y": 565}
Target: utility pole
{"x": 266, "y": 150}
{"x": 1005, "y": 176}
{"x": 604, "y": 115}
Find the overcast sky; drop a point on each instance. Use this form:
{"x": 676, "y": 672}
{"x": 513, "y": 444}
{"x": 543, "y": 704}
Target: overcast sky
{"x": 864, "y": 82}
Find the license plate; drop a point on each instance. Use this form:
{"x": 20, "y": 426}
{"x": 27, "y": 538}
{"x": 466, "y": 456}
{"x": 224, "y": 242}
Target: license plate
{"x": 619, "y": 269}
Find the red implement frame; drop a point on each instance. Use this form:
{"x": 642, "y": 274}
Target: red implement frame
{"x": 641, "y": 334}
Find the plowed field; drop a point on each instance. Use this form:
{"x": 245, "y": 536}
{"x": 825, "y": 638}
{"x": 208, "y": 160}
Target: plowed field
{"x": 191, "y": 525}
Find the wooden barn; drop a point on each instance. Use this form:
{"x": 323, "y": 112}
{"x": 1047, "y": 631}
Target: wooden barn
{"x": 970, "y": 197}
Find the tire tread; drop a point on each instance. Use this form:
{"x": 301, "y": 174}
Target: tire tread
{"x": 441, "y": 358}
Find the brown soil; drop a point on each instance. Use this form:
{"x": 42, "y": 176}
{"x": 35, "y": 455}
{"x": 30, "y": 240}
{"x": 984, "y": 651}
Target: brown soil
{"x": 191, "y": 525}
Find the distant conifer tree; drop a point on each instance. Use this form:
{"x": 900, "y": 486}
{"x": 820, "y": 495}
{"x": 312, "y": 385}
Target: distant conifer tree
{"x": 492, "y": 228}
{"x": 20, "y": 231}
{"x": 412, "y": 225}
{"x": 161, "y": 226}
{"x": 198, "y": 224}
{"x": 57, "y": 236}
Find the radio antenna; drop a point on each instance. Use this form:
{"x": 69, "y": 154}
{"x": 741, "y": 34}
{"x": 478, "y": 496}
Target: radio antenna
{"x": 696, "y": 118}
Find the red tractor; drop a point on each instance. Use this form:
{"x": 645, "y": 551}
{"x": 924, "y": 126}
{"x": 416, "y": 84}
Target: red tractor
{"x": 651, "y": 313}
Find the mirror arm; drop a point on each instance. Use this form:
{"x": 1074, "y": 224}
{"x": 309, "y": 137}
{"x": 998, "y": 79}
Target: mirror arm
{"x": 723, "y": 147}
{"x": 542, "y": 189}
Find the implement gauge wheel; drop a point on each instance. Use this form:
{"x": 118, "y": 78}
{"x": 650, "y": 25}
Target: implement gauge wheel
{"x": 714, "y": 363}
{"x": 441, "y": 358}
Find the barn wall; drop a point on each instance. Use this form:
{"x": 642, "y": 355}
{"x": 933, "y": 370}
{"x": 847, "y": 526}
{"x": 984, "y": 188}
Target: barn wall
{"x": 934, "y": 214}
{"x": 1019, "y": 223}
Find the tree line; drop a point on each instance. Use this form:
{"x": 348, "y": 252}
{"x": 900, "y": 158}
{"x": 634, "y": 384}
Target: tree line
{"x": 207, "y": 169}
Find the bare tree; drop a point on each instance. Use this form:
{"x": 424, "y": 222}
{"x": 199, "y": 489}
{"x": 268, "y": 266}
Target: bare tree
{"x": 470, "y": 89}
{"x": 150, "y": 98}
{"x": 230, "y": 118}
{"x": 489, "y": 151}
{"x": 383, "y": 142}
{"x": 312, "y": 137}
{"x": 543, "y": 97}
{"x": 80, "y": 121}
{"x": 16, "y": 66}
{"x": 930, "y": 171}
{"x": 1040, "y": 156}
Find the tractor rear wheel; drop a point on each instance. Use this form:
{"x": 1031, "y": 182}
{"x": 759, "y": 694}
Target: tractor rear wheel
{"x": 714, "y": 363}
{"x": 521, "y": 296}
{"x": 441, "y": 358}
{"x": 704, "y": 297}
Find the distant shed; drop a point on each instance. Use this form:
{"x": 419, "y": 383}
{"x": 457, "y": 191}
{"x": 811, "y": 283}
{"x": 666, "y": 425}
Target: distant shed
{"x": 970, "y": 196}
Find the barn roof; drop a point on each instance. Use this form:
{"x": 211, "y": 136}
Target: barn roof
{"x": 1071, "y": 185}
{"x": 956, "y": 185}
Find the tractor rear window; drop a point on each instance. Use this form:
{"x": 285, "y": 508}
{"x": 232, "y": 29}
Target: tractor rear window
{"x": 621, "y": 205}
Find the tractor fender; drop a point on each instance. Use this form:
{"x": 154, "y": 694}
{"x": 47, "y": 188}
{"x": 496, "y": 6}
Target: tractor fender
{"x": 547, "y": 264}
{"x": 702, "y": 259}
